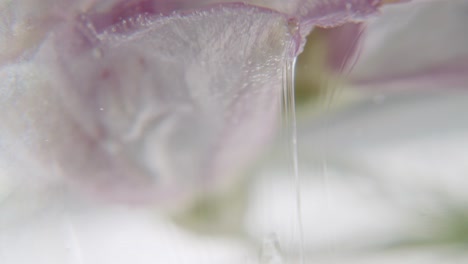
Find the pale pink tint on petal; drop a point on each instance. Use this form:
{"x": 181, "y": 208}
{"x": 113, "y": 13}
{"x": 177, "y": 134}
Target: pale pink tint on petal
{"x": 42, "y": 16}
{"x": 416, "y": 41}
{"x": 331, "y": 13}
{"x": 154, "y": 100}
{"x": 154, "y": 107}
{"x": 343, "y": 46}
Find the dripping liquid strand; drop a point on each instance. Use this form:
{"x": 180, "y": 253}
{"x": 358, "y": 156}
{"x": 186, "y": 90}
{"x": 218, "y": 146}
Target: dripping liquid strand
{"x": 290, "y": 127}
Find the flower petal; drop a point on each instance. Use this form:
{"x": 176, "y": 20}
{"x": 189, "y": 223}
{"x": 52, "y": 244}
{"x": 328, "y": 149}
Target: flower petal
{"x": 148, "y": 98}
{"x": 153, "y": 107}
{"x": 421, "y": 44}
{"x": 326, "y": 13}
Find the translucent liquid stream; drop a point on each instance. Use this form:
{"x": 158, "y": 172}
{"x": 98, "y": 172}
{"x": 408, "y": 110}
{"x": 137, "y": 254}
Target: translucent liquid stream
{"x": 290, "y": 126}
